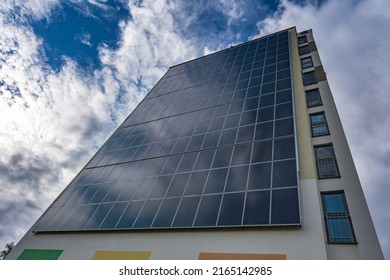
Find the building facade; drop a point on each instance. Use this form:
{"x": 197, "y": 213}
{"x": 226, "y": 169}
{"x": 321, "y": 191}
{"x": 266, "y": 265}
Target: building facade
{"x": 236, "y": 155}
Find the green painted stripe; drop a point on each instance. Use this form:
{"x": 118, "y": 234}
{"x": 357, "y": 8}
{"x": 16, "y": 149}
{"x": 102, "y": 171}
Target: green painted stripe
{"x": 40, "y": 254}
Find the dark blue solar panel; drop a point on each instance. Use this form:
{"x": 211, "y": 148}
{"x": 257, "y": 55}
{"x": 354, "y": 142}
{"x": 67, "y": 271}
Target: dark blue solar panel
{"x": 211, "y": 145}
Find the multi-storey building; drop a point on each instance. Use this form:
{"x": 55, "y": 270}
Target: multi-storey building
{"x": 239, "y": 154}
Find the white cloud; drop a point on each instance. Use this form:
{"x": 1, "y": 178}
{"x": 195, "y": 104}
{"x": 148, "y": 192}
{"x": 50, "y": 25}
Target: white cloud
{"x": 52, "y": 120}
{"x": 45, "y": 131}
{"x": 149, "y": 45}
{"x": 36, "y": 9}
{"x": 353, "y": 38}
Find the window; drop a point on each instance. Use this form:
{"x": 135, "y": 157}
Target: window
{"x": 313, "y": 98}
{"x": 302, "y": 40}
{"x": 309, "y": 78}
{"x": 306, "y": 62}
{"x": 304, "y": 50}
{"x": 318, "y": 125}
{"x": 326, "y": 162}
{"x": 337, "y": 219}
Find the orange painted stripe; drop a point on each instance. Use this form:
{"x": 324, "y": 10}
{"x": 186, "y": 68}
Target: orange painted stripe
{"x": 237, "y": 256}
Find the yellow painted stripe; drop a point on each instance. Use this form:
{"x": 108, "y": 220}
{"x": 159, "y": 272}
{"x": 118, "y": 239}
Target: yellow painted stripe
{"x": 236, "y": 256}
{"x": 121, "y": 255}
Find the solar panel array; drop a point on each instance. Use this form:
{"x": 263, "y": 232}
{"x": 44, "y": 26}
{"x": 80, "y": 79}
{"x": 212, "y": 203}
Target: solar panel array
{"x": 212, "y": 145}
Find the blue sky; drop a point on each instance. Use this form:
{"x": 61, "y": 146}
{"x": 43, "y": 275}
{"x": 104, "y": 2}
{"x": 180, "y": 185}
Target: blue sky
{"x": 71, "y": 71}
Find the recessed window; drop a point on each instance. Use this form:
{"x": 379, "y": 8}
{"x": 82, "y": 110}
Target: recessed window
{"x": 326, "y": 162}
{"x": 304, "y": 50}
{"x": 309, "y": 78}
{"x": 319, "y": 126}
{"x": 306, "y": 62}
{"x": 313, "y": 98}
{"x": 337, "y": 219}
{"x": 302, "y": 39}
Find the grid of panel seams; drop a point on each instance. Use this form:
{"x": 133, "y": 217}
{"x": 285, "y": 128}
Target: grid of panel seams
{"x": 212, "y": 145}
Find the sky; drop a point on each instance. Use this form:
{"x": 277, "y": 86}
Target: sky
{"x": 71, "y": 71}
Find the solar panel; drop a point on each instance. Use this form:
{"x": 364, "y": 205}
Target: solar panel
{"x": 212, "y": 145}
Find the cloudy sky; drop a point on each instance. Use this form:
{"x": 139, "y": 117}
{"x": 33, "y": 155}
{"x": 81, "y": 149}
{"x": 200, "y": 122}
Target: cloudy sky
{"x": 72, "y": 70}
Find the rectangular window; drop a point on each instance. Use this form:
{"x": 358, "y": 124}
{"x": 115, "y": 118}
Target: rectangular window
{"x": 302, "y": 40}
{"x": 319, "y": 126}
{"x": 337, "y": 219}
{"x": 304, "y": 50}
{"x": 313, "y": 98}
{"x": 326, "y": 162}
{"x": 309, "y": 78}
{"x": 306, "y": 62}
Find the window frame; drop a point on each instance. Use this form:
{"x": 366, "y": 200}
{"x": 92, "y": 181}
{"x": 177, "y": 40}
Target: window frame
{"x": 302, "y": 50}
{"x": 330, "y": 216}
{"x": 309, "y": 80}
{"x": 302, "y": 39}
{"x": 325, "y": 164}
{"x": 318, "y": 97}
{"x": 307, "y": 62}
{"x": 325, "y": 124}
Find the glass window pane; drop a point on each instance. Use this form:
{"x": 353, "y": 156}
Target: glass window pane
{"x": 196, "y": 183}
{"x": 326, "y": 162}
{"x": 147, "y": 214}
{"x": 302, "y": 39}
{"x": 130, "y": 214}
{"x": 228, "y": 137}
{"x": 264, "y": 130}
{"x": 313, "y": 98}
{"x": 284, "y": 110}
{"x": 337, "y": 219}
{"x": 259, "y": 176}
{"x": 186, "y": 213}
{"x": 304, "y": 50}
{"x": 245, "y": 134}
{"x": 283, "y": 96}
{"x": 144, "y": 187}
{"x": 248, "y": 117}
{"x": 284, "y": 148}
{"x": 241, "y": 154}
{"x": 284, "y": 127}
{"x": 187, "y": 162}
{"x": 265, "y": 114}
{"x": 171, "y": 164}
{"x": 205, "y": 159}
{"x": 334, "y": 202}
{"x": 114, "y": 215}
{"x": 99, "y": 215}
{"x": 222, "y": 157}
{"x": 262, "y": 151}
{"x": 211, "y": 140}
{"x": 306, "y": 62}
{"x": 284, "y": 174}
{"x": 237, "y": 178}
{"x": 161, "y": 186}
{"x": 318, "y": 124}
{"x": 216, "y": 181}
{"x": 231, "y": 209}
{"x": 166, "y": 212}
{"x": 178, "y": 185}
{"x": 309, "y": 78}
{"x": 285, "y": 206}
{"x": 257, "y": 208}
{"x": 208, "y": 210}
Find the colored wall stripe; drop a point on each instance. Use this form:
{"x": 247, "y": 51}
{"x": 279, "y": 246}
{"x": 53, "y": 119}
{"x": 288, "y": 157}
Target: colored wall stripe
{"x": 40, "y": 254}
{"x": 235, "y": 256}
{"x": 121, "y": 255}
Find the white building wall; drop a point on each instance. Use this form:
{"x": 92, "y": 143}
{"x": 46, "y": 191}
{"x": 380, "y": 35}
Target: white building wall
{"x": 306, "y": 242}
